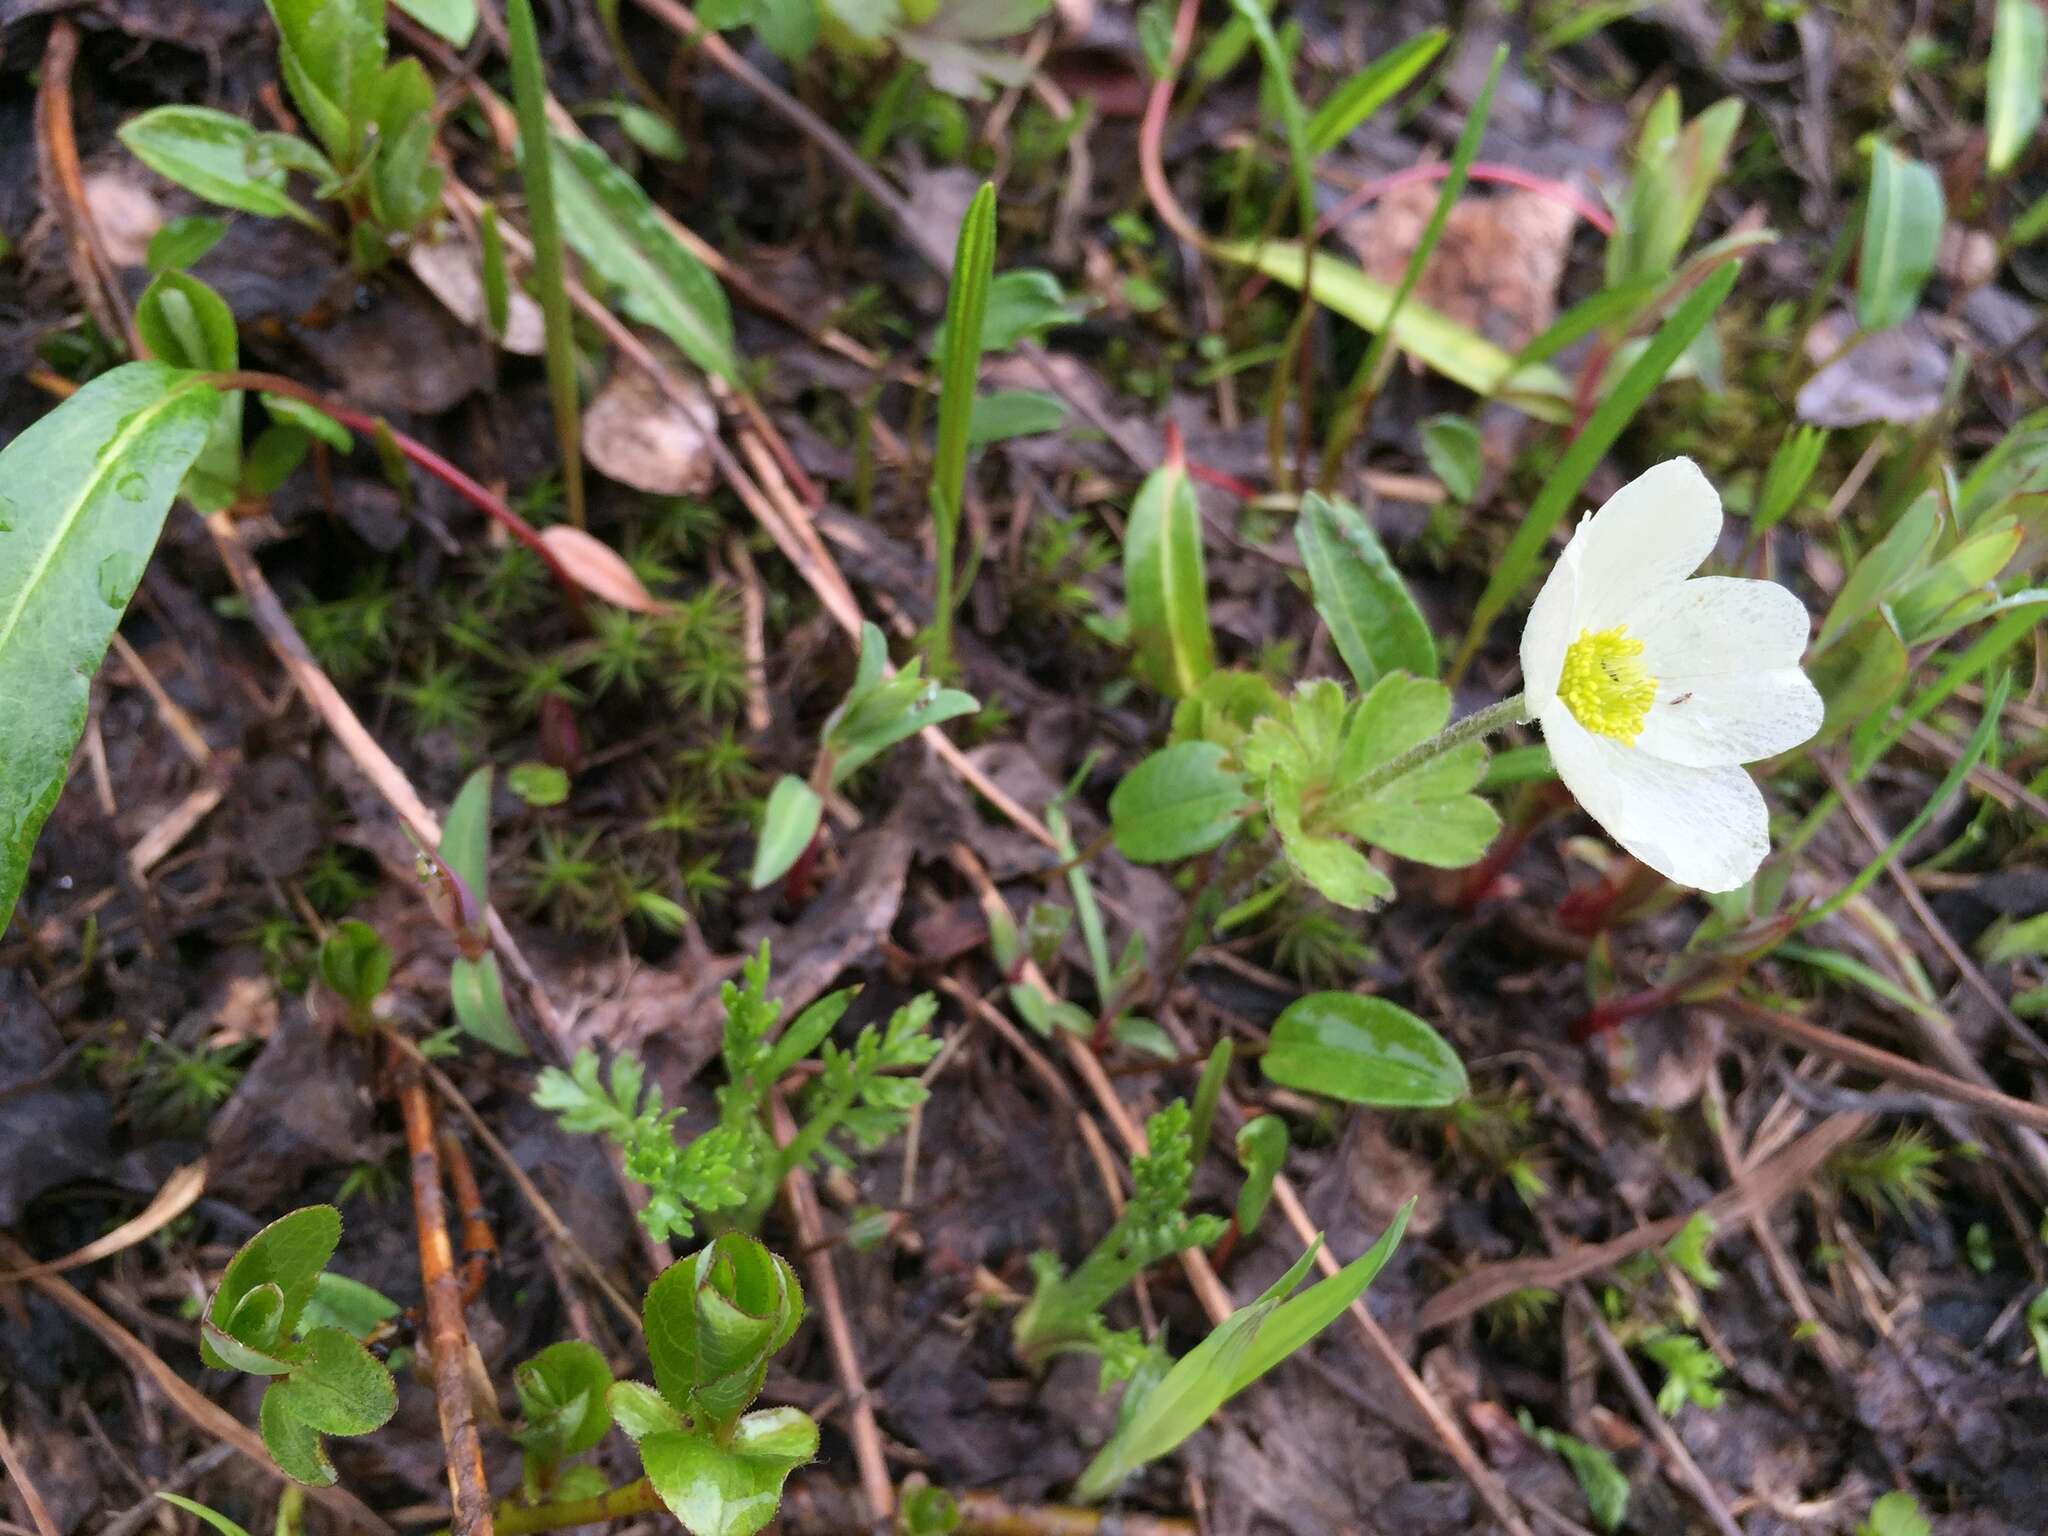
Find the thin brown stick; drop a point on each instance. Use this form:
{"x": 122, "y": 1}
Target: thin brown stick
{"x": 1794, "y": 1030}
{"x": 64, "y": 190}
{"x": 1761, "y": 1188}
{"x": 17, "y": 1474}
{"x": 1677, "y": 1457}
{"x": 479, "y": 1247}
{"x": 447, "y": 1338}
{"x": 802, "y": 1199}
{"x": 209, "y": 1417}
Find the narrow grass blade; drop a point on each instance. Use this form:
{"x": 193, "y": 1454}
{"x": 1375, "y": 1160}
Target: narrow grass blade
{"x": 1372, "y": 88}
{"x": 550, "y": 277}
{"x": 974, "y": 259}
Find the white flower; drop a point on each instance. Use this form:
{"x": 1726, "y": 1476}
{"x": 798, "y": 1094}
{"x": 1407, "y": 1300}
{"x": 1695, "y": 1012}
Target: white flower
{"x": 1653, "y": 689}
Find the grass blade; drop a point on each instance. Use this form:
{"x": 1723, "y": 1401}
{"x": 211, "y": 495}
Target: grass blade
{"x": 974, "y": 259}
{"x": 1372, "y": 88}
{"x": 530, "y": 98}
{"x": 1901, "y": 236}
{"x": 1587, "y": 449}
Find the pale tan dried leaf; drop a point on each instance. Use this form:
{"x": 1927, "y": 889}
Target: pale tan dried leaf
{"x": 126, "y": 212}
{"x": 451, "y": 270}
{"x": 644, "y": 437}
{"x": 598, "y": 569}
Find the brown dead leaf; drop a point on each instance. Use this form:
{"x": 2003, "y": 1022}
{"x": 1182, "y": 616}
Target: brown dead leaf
{"x": 599, "y": 569}
{"x": 1496, "y": 267}
{"x": 452, "y": 271}
{"x": 643, "y": 437}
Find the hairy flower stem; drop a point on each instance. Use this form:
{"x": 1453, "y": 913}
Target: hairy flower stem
{"x": 1495, "y": 717}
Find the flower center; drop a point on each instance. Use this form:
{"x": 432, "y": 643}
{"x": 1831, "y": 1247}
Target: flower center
{"x": 1605, "y": 684}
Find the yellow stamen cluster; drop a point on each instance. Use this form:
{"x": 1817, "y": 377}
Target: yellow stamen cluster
{"x": 1605, "y": 684}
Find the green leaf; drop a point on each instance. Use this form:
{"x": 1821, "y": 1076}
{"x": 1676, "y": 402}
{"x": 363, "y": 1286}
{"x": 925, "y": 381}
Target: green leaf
{"x": 2037, "y": 1329}
{"x": 466, "y": 836}
{"x": 1858, "y": 676}
{"x": 881, "y": 710}
{"x": 1675, "y": 171}
{"x": 974, "y": 256}
{"x": 1362, "y": 599}
{"x": 1362, "y": 1050}
{"x": 1022, "y": 305}
{"x": 562, "y": 1392}
{"x": 207, "y": 152}
{"x": 1371, "y": 88}
{"x": 353, "y": 1307}
{"x": 355, "y": 962}
{"x": 331, "y": 54}
{"x": 2011, "y": 941}
{"x": 212, "y": 1517}
{"x": 1336, "y": 869}
{"x": 1456, "y": 351}
{"x": 309, "y": 419}
{"x": 538, "y": 784}
{"x": 1896, "y": 1514}
{"x": 2012, "y": 89}
{"x": 1785, "y": 481}
{"x": 1568, "y": 477}
{"x": 1262, "y": 1148}
{"x": 454, "y": 20}
{"x": 476, "y": 993}
{"x": 1451, "y": 445}
{"x": 1012, "y": 413}
{"x": 293, "y": 1443}
{"x": 224, "y": 1352}
{"x": 336, "y": 1386}
{"x": 288, "y": 1254}
{"x": 641, "y": 1411}
{"x": 1177, "y": 803}
{"x": 1303, "y": 1317}
{"x": 83, "y": 493}
{"x": 732, "y": 1490}
{"x": 787, "y": 827}
{"x": 184, "y": 240}
{"x": 1901, "y": 237}
{"x": 1165, "y": 587}
{"x": 613, "y": 227}
{"x": 1603, "y": 1483}
{"x": 186, "y": 324}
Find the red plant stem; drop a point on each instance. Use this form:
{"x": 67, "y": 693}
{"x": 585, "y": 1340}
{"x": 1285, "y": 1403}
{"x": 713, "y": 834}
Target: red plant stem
{"x": 1619, "y": 1010}
{"x": 469, "y": 489}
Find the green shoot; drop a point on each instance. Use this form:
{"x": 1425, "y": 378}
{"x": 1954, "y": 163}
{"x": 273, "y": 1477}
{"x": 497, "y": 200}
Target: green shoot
{"x": 974, "y": 260}
{"x": 1898, "y": 1174}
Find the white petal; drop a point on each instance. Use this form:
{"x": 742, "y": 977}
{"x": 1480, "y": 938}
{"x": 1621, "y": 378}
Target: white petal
{"x": 1549, "y": 634}
{"x": 1652, "y": 533}
{"x": 1702, "y": 827}
{"x": 1719, "y": 624}
{"x": 1730, "y": 717}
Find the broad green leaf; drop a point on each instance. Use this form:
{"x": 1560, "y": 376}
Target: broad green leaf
{"x": 612, "y": 225}
{"x": 454, "y": 20}
{"x": 1371, "y": 88}
{"x": 1022, "y": 305}
{"x": 353, "y": 1307}
{"x": 83, "y": 493}
{"x": 1177, "y": 803}
{"x": 224, "y": 1352}
{"x": 1902, "y": 222}
{"x": 641, "y": 1411}
{"x": 1568, "y": 477}
{"x": 562, "y": 1393}
{"x": 186, "y": 324}
{"x": 289, "y": 1254}
{"x": 1898, "y": 1514}
{"x": 732, "y": 1490}
{"x": 207, "y": 152}
{"x": 1362, "y": 599}
{"x": 1165, "y": 587}
{"x": 1012, "y": 413}
{"x": 2012, "y": 90}
{"x": 337, "y": 1386}
{"x": 355, "y": 962}
{"x": 1362, "y": 1050}
{"x": 787, "y": 827}
{"x": 1336, "y": 869}
{"x": 184, "y": 240}
{"x": 1456, "y": 351}
{"x": 538, "y": 784}
{"x": 1262, "y": 1148}
{"x": 476, "y": 993}
{"x": 331, "y": 54}
{"x": 466, "y": 835}
{"x": 1451, "y": 445}
{"x": 212, "y": 1517}
{"x": 293, "y": 1443}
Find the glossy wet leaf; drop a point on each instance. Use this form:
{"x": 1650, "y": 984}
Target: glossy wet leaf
{"x": 1362, "y": 1050}
{"x": 83, "y": 494}
{"x": 186, "y": 324}
{"x": 1177, "y": 803}
{"x": 613, "y": 227}
{"x": 641, "y": 1411}
{"x": 336, "y": 1386}
{"x": 208, "y": 152}
{"x": 1902, "y": 222}
{"x": 1361, "y": 597}
{"x": 732, "y": 1490}
{"x": 563, "y": 1396}
{"x": 787, "y": 827}
{"x": 1165, "y": 587}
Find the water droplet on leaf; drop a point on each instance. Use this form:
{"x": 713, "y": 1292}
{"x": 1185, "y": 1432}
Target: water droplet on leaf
{"x": 132, "y": 486}
{"x": 118, "y": 575}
